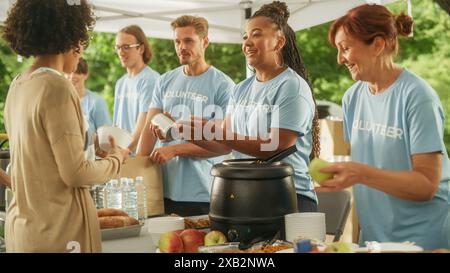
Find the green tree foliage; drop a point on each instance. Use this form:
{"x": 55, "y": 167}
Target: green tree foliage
{"x": 427, "y": 53}
{"x": 444, "y": 4}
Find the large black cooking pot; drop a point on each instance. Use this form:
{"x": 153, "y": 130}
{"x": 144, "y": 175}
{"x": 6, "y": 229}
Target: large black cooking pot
{"x": 249, "y": 201}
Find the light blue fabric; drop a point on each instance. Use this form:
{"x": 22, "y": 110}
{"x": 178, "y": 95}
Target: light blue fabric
{"x": 385, "y": 130}
{"x": 283, "y": 102}
{"x": 206, "y": 95}
{"x": 96, "y": 112}
{"x": 132, "y": 97}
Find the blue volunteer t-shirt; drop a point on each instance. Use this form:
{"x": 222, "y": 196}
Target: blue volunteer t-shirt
{"x": 205, "y": 95}
{"x": 95, "y": 111}
{"x": 385, "y": 130}
{"x": 132, "y": 97}
{"x": 282, "y": 102}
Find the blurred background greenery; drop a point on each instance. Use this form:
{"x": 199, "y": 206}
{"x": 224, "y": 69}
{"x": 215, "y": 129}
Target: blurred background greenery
{"x": 427, "y": 53}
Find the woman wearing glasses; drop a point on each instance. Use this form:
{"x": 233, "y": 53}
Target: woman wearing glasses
{"x": 133, "y": 90}
{"x": 52, "y": 210}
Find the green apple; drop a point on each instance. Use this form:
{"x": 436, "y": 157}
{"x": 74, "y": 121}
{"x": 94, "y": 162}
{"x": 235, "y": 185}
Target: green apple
{"x": 215, "y": 237}
{"x": 314, "y": 170}
{"x": 339, "y": 247}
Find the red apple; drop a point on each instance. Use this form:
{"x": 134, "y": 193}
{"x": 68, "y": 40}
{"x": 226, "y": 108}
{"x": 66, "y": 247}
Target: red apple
{"x": 170, "y": 242}
{"x": 192, "y": 239}
{"x": 215, "y": 237}
{"x": 178, "y": 231}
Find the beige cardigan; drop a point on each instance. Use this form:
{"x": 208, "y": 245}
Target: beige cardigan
{"x": 52, "y": 209}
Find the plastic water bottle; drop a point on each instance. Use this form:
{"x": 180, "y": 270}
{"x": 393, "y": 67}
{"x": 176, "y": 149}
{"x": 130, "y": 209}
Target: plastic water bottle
{"x": 100, "y": 196}
{"x": 129, "y": 198}
{"x": 141, "y": 198}
{"x": 114, "y": 193}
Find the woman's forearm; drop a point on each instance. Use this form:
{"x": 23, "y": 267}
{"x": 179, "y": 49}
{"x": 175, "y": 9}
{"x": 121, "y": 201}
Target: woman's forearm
{"x": 409, "y": 185}
{"x": 420, "y": 183}
{"x": 212, "y": 146}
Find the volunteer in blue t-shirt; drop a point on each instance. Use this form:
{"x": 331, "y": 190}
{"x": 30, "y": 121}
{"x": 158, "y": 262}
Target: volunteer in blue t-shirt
{"x": 394, "y": 121}
{"x": 275, "y": 108}
{"x": 94, "y": 107}
{"x": 133, "y": 91}
{"x": 195, "y": 88}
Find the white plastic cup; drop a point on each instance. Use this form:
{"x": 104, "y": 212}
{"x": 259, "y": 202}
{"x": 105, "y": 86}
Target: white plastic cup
{"x": 164, "y": 124}
{"x": 122, "y": 138}
{"x": 309, "y": 225}
{"x": 165, "y": 224}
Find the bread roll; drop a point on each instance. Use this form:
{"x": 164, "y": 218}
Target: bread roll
{"x": 129, "y": 221}
{"x": 110, "y": 212}
{"x": 111, "y": 221}
{"x": 116, "y": 221}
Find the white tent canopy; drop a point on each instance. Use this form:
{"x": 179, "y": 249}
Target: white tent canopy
{"x": 226, "y": 17}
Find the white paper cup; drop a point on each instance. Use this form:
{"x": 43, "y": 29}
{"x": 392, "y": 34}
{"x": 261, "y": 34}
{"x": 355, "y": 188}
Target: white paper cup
{"x": 122, "y": 137}
{"x": 165, "y": 224}
{"x": 164, "y": 124}
{"x": 305, "y": 224}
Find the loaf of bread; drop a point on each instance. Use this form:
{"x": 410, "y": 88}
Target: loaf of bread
{"x": 110, "y": 212}
{"x": 116, "y": 221}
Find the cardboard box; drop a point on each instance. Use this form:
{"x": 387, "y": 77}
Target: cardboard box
{"x": 142, "y": 166}
{"x": 332, "y": 139}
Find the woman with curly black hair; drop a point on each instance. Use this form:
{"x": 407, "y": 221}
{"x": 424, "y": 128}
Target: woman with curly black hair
{"x": 52, "y": 210}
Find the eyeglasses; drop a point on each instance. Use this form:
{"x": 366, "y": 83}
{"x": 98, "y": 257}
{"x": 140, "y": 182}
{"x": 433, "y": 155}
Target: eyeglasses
{"x": 126, "y": 47}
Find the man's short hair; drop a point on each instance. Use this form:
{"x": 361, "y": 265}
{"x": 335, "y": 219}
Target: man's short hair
{"x": 199, "y": 23}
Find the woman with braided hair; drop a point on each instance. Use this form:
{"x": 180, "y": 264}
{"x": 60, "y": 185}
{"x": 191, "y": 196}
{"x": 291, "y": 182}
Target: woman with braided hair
{"x": 275, "y": 108}
{"x": 280, "y": 81}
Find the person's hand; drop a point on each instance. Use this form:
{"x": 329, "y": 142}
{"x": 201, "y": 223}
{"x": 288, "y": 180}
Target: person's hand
{"x": 114, "y": 149}
{"x": 162, "y": 155}
{"x": 98, "y": 152}
{"x": 157, "y": 131}
{"x": 346, "y": 174}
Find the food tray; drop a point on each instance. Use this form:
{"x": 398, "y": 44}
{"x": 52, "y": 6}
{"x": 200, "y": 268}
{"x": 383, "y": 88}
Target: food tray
{"x": 233, "y": 247}
{"x": 197, "y": 222}
{"x": 122, "y": 232}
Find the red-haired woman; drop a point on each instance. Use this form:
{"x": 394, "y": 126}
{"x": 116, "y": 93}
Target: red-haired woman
{"x": 394, "y": 122}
